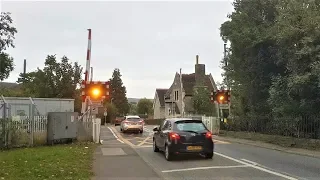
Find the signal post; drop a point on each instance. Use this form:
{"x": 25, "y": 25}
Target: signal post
{"x": 221, "y": 97}
{"x": 95, "y": 93}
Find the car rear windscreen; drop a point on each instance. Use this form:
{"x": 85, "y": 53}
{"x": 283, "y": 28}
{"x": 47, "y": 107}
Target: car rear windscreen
{"x": 133, "y": 119}
{"x": 190, "y": 125}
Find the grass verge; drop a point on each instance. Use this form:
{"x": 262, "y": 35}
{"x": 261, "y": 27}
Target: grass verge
{"x": 71, "y": 161}
{"x": 310, "y": 144}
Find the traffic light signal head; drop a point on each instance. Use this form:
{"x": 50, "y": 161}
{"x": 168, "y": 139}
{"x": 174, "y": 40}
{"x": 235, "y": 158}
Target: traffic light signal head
{"x": 97, "y": 91}
{"x": 221, "y": 96}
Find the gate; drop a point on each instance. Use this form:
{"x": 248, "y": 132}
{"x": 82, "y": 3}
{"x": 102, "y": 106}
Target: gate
{"x": 212, "y": 123}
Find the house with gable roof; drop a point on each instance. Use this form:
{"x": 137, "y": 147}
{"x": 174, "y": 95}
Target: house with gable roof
{"x": 177, "y": 100}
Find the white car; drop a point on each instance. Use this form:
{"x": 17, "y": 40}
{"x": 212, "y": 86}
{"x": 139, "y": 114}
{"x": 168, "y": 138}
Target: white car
{"x": 132, "y": 124}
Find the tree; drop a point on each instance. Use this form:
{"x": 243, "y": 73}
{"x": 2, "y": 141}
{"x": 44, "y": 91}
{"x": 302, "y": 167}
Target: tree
{"x": 252, "y": 61}
{"x": 201, "y": 101}
{"x": 145, "y": 106}
{"x": 7, "y": 33}
{"x": 273, "y": 61}
{"x": 55, "y": 80}
{"x": 111, "y": 110}
{"x": 297, "y": 90}
{"x": 119, "y": 93}
{"x": 133, "y": 108}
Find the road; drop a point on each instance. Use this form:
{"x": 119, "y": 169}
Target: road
{"x": 231, "y": 161}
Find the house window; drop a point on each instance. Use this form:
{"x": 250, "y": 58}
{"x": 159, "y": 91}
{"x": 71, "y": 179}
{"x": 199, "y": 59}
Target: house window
{"x": 176, "y": 95}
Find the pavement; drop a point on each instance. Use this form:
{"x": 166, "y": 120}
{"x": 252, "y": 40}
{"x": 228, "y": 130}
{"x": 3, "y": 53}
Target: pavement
{"x": 231, "y": 161}
{"x": 115, "y": 160}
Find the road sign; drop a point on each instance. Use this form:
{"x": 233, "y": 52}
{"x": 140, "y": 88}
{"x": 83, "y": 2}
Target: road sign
{"x": 94, "y": 111}
{"x": 224, "y": 106}
{"x": 97, "y": 103}
{"x": 105, "y": 113}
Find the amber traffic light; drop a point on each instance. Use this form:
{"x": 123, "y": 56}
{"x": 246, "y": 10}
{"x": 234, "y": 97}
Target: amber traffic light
{"x": 97, "y": 91}
{"x": 221, "y": 96}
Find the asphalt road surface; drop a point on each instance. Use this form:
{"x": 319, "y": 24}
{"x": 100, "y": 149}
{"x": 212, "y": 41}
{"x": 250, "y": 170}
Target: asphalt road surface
{"x": 231, "y": 161}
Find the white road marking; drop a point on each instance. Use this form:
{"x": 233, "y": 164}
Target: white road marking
{"x": 113, "y": 133}
{"x": 256, "y": 167}
{"x": 121, "y": 138}
{"x": 142, "y": 147}
{"x": 120, "y": 141}
{"x": 220, "y": 142}
{"x": 202, "y": 168}
{"x": 251, "y": 162}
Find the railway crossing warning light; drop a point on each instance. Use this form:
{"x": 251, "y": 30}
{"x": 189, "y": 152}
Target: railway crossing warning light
{"x": 220, "y": 96}
{"x": 96, "y": 90}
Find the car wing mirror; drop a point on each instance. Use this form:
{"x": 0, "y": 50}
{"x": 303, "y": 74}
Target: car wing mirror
{"x": 156, "y": 128}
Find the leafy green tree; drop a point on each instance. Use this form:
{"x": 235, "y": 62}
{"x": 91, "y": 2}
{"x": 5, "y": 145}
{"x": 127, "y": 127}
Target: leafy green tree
{"x": 119, "y": 93}
{"x": 13, "y": 92}
{"x": 55, "y": 80}
{"x": 112, "y": 112}
{"x": 296, "y": 91}
{"x": 201, "y": 101}
{"x": 273, "y": 61}
{"x": 7, "y": 33}
{"x": 252, "y": 57}
{"x": 145, "y": 106}
{"x": 133, "y": 108}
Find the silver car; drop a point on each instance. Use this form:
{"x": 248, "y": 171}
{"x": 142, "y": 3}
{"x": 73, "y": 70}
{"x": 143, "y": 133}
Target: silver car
{"x": 132, "y": 124}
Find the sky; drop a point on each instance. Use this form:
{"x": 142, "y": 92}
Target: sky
{"x": 148, "y": 41}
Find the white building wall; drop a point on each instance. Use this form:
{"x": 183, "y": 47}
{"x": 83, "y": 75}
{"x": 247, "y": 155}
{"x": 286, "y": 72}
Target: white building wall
{"x": 21, "y": 105}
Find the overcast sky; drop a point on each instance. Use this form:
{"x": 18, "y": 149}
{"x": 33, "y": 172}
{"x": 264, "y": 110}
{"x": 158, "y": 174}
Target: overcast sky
{"x": 148, "y": 41}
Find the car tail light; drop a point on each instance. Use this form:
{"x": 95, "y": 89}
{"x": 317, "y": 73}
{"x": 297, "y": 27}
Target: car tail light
{"x": 140, "y": 122}
{"x": 174, "y": 136}
{"x": 209, "y": 135}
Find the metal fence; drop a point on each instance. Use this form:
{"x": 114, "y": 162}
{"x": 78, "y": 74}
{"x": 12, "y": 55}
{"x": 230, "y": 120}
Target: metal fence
{"x": 212, "y": 123}
{"x": 17, "y": 127}
{"x": 29, "y": 127}
{"x": 296, "y": 126}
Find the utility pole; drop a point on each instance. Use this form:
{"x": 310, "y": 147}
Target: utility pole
{"x": 227, "y": 79}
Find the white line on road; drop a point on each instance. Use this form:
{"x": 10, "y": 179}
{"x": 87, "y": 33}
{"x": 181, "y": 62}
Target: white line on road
{"x": 115, "y": 135}
{"x": 251, "y": 162}
{"x": 256, "y": 167}
{"x": 222, "y": 142}
{"x": 202, "y": 168}
{"x": 143, "y": 146}
{"x": 120, "y": 141}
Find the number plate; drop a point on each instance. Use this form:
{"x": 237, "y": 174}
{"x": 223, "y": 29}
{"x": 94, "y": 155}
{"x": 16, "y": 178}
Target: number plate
{"x": 194, "y": 148}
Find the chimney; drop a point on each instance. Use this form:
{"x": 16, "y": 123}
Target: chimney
{"x": 200, "y": 73}
{"x": 197, "y": 59}
{"x": 24, "y": 66}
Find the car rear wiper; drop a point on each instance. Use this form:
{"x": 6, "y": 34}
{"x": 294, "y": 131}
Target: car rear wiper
{"x": 191, "y": 131}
